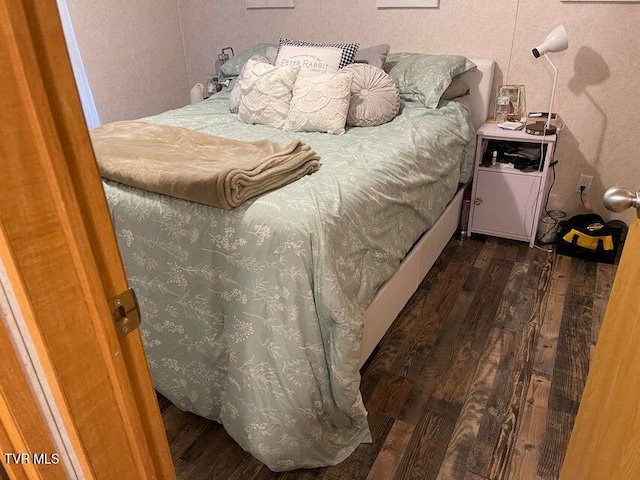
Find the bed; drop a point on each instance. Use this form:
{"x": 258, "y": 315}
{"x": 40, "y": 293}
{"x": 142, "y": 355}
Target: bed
{"x": 260, "y": 317}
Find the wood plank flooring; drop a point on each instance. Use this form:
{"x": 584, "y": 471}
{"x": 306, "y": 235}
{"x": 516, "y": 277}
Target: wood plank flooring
{"x": 479, "y": 378}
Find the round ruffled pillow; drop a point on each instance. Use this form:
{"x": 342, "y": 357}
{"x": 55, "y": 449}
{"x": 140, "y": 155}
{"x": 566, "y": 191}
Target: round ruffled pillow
{"x": 374, "y": 96}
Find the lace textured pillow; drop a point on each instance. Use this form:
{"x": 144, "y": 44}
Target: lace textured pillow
{"x": 236, "y": 93}
{"x": 320, "y": 103}
{"x": 374, "y": 96}
{"x": 266, "y": 94}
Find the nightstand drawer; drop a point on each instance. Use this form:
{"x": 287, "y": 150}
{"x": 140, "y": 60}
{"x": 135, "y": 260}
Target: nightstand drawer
{"x": 505, "y": 205}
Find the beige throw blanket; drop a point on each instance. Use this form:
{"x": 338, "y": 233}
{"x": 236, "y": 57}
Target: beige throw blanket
{"x": 196, "y": 166}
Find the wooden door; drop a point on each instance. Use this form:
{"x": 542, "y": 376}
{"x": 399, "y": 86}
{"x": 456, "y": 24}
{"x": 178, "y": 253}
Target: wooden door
{"x": 605, "y": 443}
{"x": 67, "y": 381}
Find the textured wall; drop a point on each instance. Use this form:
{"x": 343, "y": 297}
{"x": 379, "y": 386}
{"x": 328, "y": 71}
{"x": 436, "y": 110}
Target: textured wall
{"x": 132, "y": 52}
{"x": 598, "y": 94}
{"x": 209, "y": 26}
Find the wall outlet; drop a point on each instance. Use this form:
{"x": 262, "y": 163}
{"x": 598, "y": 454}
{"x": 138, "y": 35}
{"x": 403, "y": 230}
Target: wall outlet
{"x": 584, "y": 181}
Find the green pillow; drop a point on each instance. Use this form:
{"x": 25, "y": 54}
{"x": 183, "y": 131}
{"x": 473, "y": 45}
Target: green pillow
{"x": 424, "y": 78}
{"x": 232, "y": 67}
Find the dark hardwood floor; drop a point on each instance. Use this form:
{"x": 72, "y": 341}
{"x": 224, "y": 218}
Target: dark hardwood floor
{"x": 479, "y": 378}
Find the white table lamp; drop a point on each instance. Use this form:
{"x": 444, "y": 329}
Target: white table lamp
{"x": 556, "y": 41}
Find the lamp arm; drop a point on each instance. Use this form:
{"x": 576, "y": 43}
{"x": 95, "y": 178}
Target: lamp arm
{"x": 553, "y": 90}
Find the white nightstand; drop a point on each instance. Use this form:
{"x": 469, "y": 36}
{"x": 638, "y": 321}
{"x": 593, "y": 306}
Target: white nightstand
{"x": 506, "y": 202}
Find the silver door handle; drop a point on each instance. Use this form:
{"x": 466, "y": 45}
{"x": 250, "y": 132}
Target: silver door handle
{"x": 618, "y": 199}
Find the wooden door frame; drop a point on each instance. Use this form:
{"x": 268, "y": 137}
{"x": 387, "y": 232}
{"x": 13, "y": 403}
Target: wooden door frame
{"x": 62, "y": 262}
{"x": 23, "y": 426}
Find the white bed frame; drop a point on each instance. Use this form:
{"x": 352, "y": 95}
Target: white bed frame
{"x": 397, "y": 290}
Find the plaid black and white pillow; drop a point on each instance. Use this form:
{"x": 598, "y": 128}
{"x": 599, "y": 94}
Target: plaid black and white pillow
{"x": 349, "y": 50}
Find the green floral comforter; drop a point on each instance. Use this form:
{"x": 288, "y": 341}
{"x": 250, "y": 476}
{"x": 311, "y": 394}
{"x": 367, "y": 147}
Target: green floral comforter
{"x": 253, "y": 317}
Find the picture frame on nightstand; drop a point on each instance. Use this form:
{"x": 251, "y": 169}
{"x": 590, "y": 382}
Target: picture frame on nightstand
{"x": 511, "y": 102}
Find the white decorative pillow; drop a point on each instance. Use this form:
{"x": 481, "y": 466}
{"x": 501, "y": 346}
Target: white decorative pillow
{"x": 266, "y": 94}
{"x": 314, "y": 58}
{"x": 374, "y": 96}
{"x": 236, "y": 93}
{"x": 271, "y": 54}
{"x": 311, "y": 60}
{"x": 320, "y": 103}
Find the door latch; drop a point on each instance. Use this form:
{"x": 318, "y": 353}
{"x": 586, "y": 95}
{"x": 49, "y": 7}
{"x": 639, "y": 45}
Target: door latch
{"x": 125, "y": 312}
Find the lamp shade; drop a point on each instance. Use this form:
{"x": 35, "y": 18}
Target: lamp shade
{"x": 556, "y": 41}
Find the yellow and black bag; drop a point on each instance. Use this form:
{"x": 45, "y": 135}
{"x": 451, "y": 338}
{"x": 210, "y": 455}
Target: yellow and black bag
{"x": 588, "y": 237}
